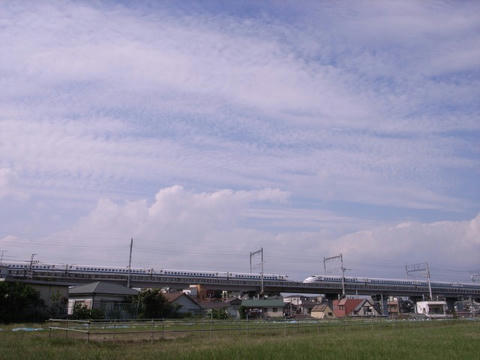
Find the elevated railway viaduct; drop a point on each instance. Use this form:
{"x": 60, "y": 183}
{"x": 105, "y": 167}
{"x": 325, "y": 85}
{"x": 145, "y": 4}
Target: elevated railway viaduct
{"x": 331, "y": 290}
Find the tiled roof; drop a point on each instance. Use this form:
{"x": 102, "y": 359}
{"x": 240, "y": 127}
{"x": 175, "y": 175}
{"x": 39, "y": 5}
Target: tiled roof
{"x": 171, "y": 297}
{"x": 214, "y": 304}
{"x": 362, "y": 304}
{"x": 102, "y": 287}
{"x": 320, "y": 308}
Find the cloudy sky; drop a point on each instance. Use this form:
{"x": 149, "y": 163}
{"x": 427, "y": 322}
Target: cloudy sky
{"x": 206, "y": 130}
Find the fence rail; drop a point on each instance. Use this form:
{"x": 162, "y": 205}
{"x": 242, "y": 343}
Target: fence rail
{"x": 159, "y": 329}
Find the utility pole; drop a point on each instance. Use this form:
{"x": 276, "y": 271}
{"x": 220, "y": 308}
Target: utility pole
{"x": 130, "y": 263}
{"x": 250, "y": 262}
{"x": 252, "y": 254}
{"x": 475, "y": 278}
{"x": 32, "y": 261}
{"x": 422, "y": 267}
{"x": 1, "y": 256}
{"x": 262, "y": 270}
{"x": 472, "y": 310}
{"x": 343, "y": 269}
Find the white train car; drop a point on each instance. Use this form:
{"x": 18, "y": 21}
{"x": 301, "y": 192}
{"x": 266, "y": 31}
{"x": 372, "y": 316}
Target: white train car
{"x": 112, "y": 270}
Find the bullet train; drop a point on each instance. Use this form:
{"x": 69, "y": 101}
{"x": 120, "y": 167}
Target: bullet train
{"x": 20, "y": 268}
{"x": 334, "y": 279}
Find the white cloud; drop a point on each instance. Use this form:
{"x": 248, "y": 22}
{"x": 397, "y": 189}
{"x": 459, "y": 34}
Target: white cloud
{"x": 366, "y": 104}
{"x": 228, "y": 102}
{"x": 194, "y": 230}
{"x": 8, "y": 185}
{"x": 177, "y": 221}
{"x": 444, "y": 244}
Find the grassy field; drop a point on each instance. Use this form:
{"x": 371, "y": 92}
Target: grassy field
{"x": 383, "y": 340}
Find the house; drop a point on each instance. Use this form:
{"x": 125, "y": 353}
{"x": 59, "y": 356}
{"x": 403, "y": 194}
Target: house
{"x": 264, "y": 308}
{"x": 112, "y": 299}
{"x": 233, "y": 307}
{"x": 432, "y": 309}
{"x": 393, "y": 306}
{"x": 302, "y": 299}
{"x": 53, "y": 294}
{"x": 184, "y": 303}
{"x": 365, "y": 308}
{"x": 301, "y": 305}
{"x": 322, "y": 311}
{"x": 467, "y": 308}
{"x": 344, "y": 307}
{"x": 230, "y": 306}
{"x": 355, "y": 307}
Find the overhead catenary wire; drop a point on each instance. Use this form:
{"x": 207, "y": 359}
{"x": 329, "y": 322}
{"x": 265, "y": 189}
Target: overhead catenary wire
{"x": 276, "y": 256}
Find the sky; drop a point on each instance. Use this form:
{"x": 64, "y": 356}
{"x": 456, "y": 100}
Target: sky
{"x": 207, "y": 130}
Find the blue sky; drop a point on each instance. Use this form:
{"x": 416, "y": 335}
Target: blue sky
{"x": 206, "y": 130}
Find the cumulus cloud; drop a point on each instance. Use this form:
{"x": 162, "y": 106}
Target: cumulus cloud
{"x": 200, "y": 230}
{"x": 178, "y": 221}
{"x": 444, "y": 244}
{"x": 366, "y": 113}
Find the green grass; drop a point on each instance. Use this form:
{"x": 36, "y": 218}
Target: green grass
{"x": 381, "y": 340}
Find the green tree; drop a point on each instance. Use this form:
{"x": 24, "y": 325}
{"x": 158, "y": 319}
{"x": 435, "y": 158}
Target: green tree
{"x": 243, "y": 312}
{"x": 152, "y": 304}
{"x": 220, "y": 314}
{"x": 58, "y": 307}
{"x": 82, "y": 312}
{"x": 20, "y": 302}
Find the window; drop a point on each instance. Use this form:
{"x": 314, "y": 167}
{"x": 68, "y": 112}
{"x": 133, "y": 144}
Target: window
{"x": 274, "y": 310}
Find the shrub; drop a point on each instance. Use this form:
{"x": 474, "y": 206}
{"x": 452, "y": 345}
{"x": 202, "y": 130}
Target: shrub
{"x": 153, "y": 305}
{"x": 82, "y": 312}
{"x": 20, "y": 302}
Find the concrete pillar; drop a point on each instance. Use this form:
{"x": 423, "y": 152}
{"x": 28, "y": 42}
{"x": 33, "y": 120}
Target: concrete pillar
{"x": 384, "y": 302}
{"x": 330, "y": 298}
{"x": 451, "y": 303}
